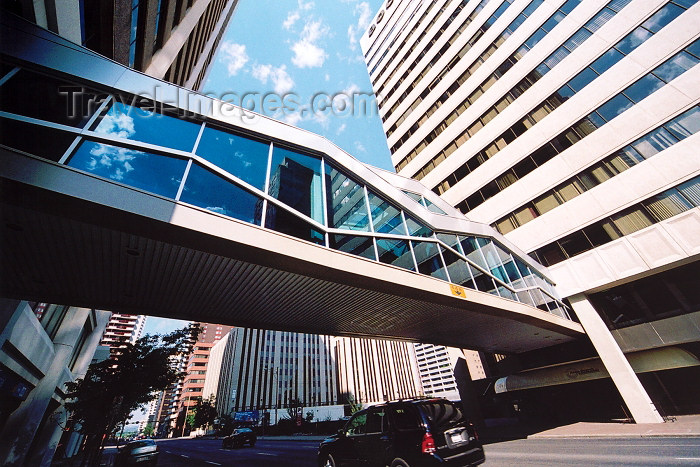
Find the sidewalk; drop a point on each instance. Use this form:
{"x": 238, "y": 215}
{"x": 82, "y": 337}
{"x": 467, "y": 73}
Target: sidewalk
{"x": 683, "y": 426}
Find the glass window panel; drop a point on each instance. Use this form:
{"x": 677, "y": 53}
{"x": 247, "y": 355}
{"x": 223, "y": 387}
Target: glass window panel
{"x": 511, "y": 271}
{"x": 617, "y": 5}
{"x": 607, "y": 60}
{"x": 125, "y": 121}
{"x": 599, "y": 19}
{"x": 472, "y": 251}
{"x": 525, "y": 215}
{"x": 643, "y": 87}
{"x": 631, "y": 220}
{"x": 38, "y": 96}
{"x": 505, "y": 225}
{"x": 347, "y": 208}
{"x": 449, "y": 239}
{"x": 582, "y": 79}
{"x": 675, "y": 66}
{"x": 433, "y": 207}
{"x": 685, "y": 124}
{"x": 654, "y": 142}
{"x": 633, "y": 40}
{"x": 483, "y": 282}
{"x": 546, "y": 202}
{"x": 662, "y": 17}
{"x": 32, "y": 139}
{"x": 395, "y": 252}
{"x": 213, "y": 193}
{"x": 694, "y": 48}
{"x": 535, "y": 38}
{"x": 600, "y": 173}
{"x": 522, "y": 268}
{"x": 691, "y": 190}
{"x": 557, "y": 56}
{"x": 386, "y": 218}
{"x": 456, "y": 267}
{"x": 243, "y": 157}
{"x": 428, "y": 259}
{"x": 281, "y": 220}
{"x": 614, "y": 107}
{"x": 551, "y": 254}
{"x": 150, "y": 172}
{"x": 356, "y": 245}
{"x": 575, "y": 243}
{"x": 666, "y": 205}
{"x": 569, "y": 190}
{"x": 577, "y": 39}
{"x": 553, "y": 21}
{"x": 295, "y": 180}
{"x": 416, "y": 228}
{"x": 414, "y": 196}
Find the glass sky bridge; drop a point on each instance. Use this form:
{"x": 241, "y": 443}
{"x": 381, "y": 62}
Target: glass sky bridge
{"x": 120, "y": 191}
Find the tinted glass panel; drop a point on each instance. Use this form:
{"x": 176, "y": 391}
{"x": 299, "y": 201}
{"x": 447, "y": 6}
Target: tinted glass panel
{"x": 125, "y": 121}
{"x": 284, "y": 221}
{"x": 662, "y": 17}
{"x": 347, "y": 208}
{"x": 242, "y": 157}
{"x": 386, "y": 218}
{"x": 442, "y": 414}
{"x": 606, "y": 60}
{"x": 395, "y": 252}
{"x": 428, "y": 259}
{"x": 32, "y": 139}
{"x": 295, "y": 179}
{"x": 211, "y": 192}
{"x": 38, "y": 96}
{"x": 633, "y": 40}
{"x": 686, "y": 124}
{"x": 456, "y": 267}
{"x": 675, "y": 66}
{"x": 643, "y": 88}
{"x": 150, "y": 172}
{"x": 614, "y": 107}
{"x": 360, "y": 246}
{"x": 416, "y": 228}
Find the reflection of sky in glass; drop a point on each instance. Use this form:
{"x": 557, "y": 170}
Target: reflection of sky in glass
{"x": 416, "y": 228}
{"x": 128, "y": 122}
{"x": 428, "y": 259}
{"x": 360, "y": 246}
{"x": 150, "y": 172}
{"x": 209, "y": 191}
{"x": 242, "y": 157}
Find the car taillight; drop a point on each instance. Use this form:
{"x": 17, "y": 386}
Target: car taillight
{"x": 476, "y": 435}
{"x": 427, "y": 446}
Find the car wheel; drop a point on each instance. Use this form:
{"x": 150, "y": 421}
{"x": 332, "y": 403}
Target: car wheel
{"x": 399, "y": 463}
{"x": 329, "y": 462}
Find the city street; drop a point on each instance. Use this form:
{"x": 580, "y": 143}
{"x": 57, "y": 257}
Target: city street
{"x": 632, "y": 452}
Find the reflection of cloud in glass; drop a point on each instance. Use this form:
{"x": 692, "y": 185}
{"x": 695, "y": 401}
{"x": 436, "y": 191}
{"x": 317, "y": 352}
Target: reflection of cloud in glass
{"x": 113, "y": 158}
{"x": 217, "y": 209}
{"x": 241, "y": 156}
{"x": 117, "y": 124}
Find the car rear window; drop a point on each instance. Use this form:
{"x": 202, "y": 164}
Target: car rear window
{"x": 442, "y": 413}
{"x": 141, "y": 444}
{"x": 406, "y": 417}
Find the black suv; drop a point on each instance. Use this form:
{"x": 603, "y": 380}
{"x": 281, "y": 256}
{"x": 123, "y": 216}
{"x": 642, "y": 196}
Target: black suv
{"x": 411, "y": 433}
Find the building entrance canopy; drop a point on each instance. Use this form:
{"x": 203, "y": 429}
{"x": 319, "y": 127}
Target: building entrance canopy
{"x": 130, "y": 194}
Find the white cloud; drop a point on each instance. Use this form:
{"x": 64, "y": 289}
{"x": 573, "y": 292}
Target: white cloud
{"x": 305, "y": 6}
{"x": 341, "y": 129}
{"x": 234, "y": 56}
{"x": 282, "y": 82}
{"x": 360, "y": 147}
{"x": 292, "y": 18}
{"x": 307, "y": 53}
{"x": 293, "y": 118}
{"x": 327, "y": 77}
{"x": 117, "y": 124}
{"x": 322, "y": 119}
{"x": 364, "y": 15}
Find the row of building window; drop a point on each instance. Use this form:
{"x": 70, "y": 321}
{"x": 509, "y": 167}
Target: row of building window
{"x": 639, "y": 216}
{"x": 475, "y": 65}
{"x": 604, "y": 15}
{"x": 634, "y": 153}
{"x": 398, "y": 34}
{"x": 378, "y": 44}
{"x": 501, "y": 70}
{"x": 425, "y": 49}
{"x": 613, "y": 107}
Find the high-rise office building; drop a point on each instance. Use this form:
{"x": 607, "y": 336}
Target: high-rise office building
{"x": 373, "y": 371}
{"x": 122, "y": 329}
{"x": 174, "y": 40}
{"x": 570, "y": 127}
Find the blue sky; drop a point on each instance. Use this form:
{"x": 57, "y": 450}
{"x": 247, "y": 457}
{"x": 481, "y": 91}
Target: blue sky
{"x": 307, "y": 49}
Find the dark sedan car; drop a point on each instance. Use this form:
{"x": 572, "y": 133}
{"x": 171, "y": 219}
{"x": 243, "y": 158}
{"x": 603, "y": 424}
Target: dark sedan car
{"x": 426, "y": 432}
{"x": 141, "y": 452}
{"x": 239, "y": 437}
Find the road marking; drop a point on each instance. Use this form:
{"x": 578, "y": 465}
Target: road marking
{"x": 688, "y": 458}
{"x": 267, "y": 454}
{"x": 210, "y": 462}
{"x": 182, "y": 455}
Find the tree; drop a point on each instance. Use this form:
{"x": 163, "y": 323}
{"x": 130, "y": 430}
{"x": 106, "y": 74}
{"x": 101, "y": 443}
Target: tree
{"x": 148, "y": 430}
{"x": 204, "y": 413}
{"x": 102, "y": 401}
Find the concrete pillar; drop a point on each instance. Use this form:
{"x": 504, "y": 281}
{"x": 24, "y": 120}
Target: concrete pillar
{"x": 22, "y": 425}
{"x": 47, "y": 441}
{"x": 633, "y": 393}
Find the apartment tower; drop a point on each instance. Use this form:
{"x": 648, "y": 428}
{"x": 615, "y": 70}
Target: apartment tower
{"x": 570, "y": 127}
